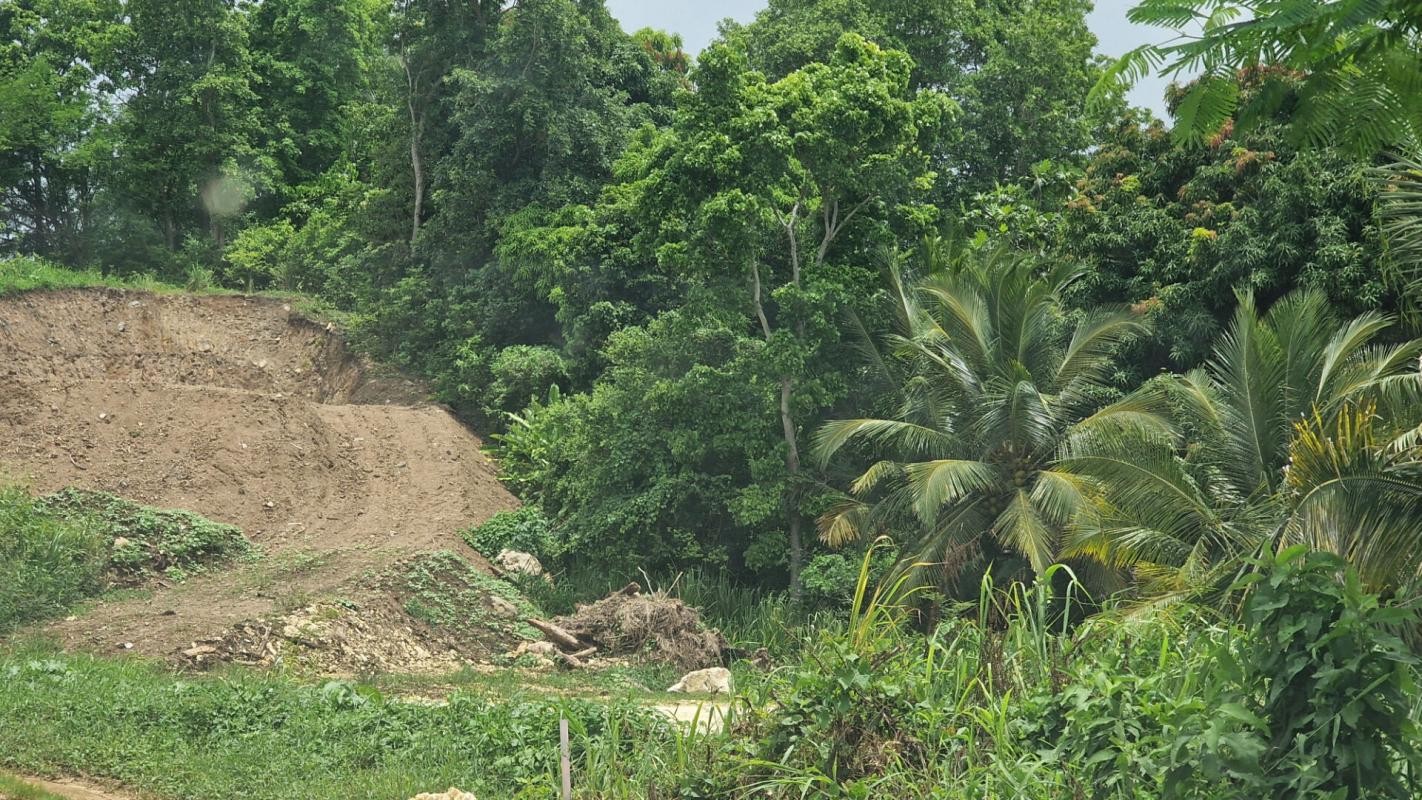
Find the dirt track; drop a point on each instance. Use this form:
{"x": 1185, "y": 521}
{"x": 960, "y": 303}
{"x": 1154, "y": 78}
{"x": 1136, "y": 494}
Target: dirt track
{"x": 247, "y": 413}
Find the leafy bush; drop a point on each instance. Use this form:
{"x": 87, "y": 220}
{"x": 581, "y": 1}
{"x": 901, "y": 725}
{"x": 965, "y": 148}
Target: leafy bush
{"x": 47, "y": 563}
{"x": 1324, "y": 684}
{"x": 1307, "y": 698}
{"x": 524, "y": 528}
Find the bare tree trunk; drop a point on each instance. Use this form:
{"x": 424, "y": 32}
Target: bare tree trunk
{"x": 792, "y": 448}
{"x": 792, "y": 506}
{"x": 417, "y": 164}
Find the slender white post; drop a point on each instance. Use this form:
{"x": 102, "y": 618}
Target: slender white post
{"x": 567, "y": 758}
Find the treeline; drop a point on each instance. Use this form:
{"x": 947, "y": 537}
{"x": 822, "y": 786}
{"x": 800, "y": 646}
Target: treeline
{"x": 653, "y": 277}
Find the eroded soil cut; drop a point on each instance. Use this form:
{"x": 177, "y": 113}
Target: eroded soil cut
{"x": 248, "y": 413}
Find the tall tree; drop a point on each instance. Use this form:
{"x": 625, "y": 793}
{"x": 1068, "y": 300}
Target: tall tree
{"x": 430, "y": 39}
{"x": 1020, "y": 71}
{"x": 776, "y": 178}
{"x": 311, "y": 59}
{"x": 52, "y": 122}
{"x": 185, "y": 134}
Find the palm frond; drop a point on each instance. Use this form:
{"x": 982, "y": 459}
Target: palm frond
{"x": 1020, "y": 527}
{"x": 940, "y": 482}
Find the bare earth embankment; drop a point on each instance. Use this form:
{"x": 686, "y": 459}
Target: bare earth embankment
{"x": 248, "y": 413}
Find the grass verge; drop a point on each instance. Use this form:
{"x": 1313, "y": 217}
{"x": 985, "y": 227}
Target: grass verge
{"x": 267, "y": 737}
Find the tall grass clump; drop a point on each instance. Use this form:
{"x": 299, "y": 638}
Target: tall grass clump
{"x": 47, "y": 563}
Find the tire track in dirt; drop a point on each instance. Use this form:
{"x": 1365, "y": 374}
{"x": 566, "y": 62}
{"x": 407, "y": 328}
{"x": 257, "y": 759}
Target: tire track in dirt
{"x": 246, "y": 412}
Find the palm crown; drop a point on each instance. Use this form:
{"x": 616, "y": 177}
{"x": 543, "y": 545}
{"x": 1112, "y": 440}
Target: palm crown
{"x": 991, "y": 382}
{"x": 1296, "y": 431}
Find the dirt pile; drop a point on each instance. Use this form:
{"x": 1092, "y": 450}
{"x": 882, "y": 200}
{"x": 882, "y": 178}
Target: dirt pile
{"x": 243, "y": 411}
{"x": 651, "y": 627}
{"x": 330, "y": 638}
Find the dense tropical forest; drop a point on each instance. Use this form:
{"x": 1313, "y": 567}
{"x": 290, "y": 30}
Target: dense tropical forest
{"x": 1122, "y": 416}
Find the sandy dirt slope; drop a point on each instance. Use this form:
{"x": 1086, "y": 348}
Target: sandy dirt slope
{"x": 244, "y": 411}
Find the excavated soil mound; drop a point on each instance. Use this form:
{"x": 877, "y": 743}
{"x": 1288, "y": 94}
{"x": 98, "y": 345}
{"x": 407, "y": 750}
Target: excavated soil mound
{"x": 651, "y": 627}
{"x": 248, "y": 413}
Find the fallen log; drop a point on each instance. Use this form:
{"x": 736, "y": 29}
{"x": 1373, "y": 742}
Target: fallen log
{"x": 557, "y": 635}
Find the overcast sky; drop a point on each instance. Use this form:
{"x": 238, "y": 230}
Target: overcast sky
{"x": 696, "y": 22}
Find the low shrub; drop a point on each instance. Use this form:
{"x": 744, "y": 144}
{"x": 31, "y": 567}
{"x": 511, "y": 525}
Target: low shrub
{"x": 524, "y": 528}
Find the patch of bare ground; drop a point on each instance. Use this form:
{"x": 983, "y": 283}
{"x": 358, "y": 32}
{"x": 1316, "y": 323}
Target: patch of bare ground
{"x": 248, "y": 413}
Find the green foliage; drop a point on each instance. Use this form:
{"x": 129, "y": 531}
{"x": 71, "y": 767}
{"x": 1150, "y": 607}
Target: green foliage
{"x": 988, "y": 381}
{"x": 1296, "y": 431}
{"x": 60, "y": 549}
{"x": 1177, "y": 229}
{"x": 525, "y": 528}
{"x": 1352, "y": 65}
{"x": 1325, "y": 683}
{"x": 47, "y": 563}
{"x": 158, "y": 540}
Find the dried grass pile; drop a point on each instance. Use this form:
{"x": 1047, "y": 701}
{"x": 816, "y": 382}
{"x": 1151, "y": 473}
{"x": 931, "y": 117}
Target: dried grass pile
{"x": 652, "y": 627}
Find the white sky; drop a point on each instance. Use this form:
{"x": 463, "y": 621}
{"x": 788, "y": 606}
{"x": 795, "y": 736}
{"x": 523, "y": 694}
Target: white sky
{"x": 696, "y": 22}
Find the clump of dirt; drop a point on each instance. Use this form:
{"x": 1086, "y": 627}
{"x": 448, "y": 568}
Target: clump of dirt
{"x": 651, "y": 627}
{"x": 470, "y": 610}
{"x": 244, "y": 411}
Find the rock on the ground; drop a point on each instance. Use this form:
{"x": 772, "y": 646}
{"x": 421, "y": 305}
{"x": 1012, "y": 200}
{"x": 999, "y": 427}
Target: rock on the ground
{"x": 501, "y": 607}
{"x": 519, "y": 561}
{"x": 534, "y": 648}
{"x": 451, "y": 794}
{"x": 715, "y": 680}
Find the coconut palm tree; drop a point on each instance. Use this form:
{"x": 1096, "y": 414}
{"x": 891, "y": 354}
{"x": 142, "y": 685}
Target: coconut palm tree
{"x": 1300, "y": 429}
{"x": 991, "y": 378}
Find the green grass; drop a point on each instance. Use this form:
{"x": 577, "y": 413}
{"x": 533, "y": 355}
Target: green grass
{"x": 59, "y": 550}
{"x": 25, "y": 274}
{"x": 267, "y": 737}
{"x": 13, "y": 788}
{"x": 28, "y": 274}
{"x": 47, "y": 563}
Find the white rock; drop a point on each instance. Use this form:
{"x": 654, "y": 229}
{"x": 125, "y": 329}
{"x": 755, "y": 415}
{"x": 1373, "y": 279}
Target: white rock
{"x": 534, "y": 648}
{"x": 451, "y": 794}
{"x": 502, "y": 607}
{"x": 519, "y": 561}
{"x": 714, "y": 680}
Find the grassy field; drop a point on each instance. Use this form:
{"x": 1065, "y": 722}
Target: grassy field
{"x": 247, "y": 735}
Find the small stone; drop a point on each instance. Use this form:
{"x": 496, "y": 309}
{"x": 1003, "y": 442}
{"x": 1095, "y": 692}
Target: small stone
{"x": 122, "y": 326}
{"x": 120, "y": 542}
{"x": 200, "y": 650}
{"x": 451, "y": 794}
